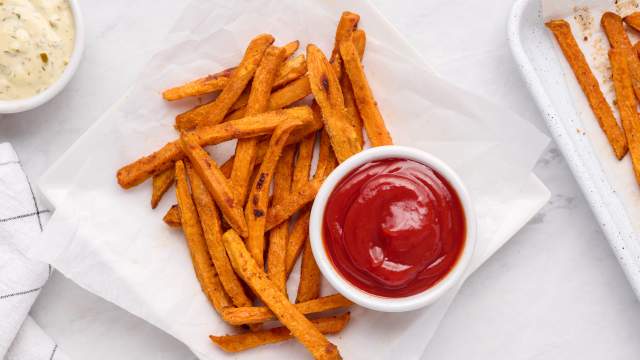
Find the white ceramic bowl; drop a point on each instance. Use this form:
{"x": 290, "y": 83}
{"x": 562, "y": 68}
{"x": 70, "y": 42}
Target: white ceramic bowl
{"x": 355, "y": 294}
{"x": 19, "y": 105}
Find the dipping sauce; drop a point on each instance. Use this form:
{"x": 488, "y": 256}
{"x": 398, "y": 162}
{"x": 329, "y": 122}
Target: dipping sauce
{"x": 36, "y": 43}
{"x": 394, "y": 227}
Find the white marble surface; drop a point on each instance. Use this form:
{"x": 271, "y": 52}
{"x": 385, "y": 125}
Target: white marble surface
{"x": 554, "y": 292}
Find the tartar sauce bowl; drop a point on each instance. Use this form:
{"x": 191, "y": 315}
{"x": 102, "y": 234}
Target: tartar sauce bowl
{"x": 24, "y": 104}
{"x": 354, "y": 293}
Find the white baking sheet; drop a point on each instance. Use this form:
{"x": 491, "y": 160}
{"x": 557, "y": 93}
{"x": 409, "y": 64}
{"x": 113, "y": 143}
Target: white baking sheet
{"x": 110, "y": 242}
{"x": 608, "y": 184}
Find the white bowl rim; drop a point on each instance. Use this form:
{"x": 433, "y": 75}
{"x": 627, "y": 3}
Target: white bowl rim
{"x": 355, "y": 294}
{"x": 20, "y": 105}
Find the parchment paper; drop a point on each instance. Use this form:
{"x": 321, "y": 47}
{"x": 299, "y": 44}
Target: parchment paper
{"x": 584, "y": 17}
{"x": 109, "y": 241}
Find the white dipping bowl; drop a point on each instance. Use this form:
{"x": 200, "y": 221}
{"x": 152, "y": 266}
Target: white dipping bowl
{"x": 20, "y": 105}
{"x": 352, "y": 292}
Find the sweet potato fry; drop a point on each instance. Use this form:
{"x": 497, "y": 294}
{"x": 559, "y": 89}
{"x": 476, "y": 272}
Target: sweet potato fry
{"x": 258, "y": 202}
{"x": 215, "y": 181}
{"x": 367, "y": 106}
{"x": 613, "y": 28}
{"x": 601, "y": 109}
{"x": 172, "y": 217}
{"x": 278, "y": 237}
{"x": 202, "y": 265}
{"x": 290, "y": 48}
{"x": 303, "y": 163}
{"x": 326, "y": 159}
{"x": 258, "y": 101}
{"x": 249, "y": 340}
{"x": 627, "y": 104}
{"x": 326, "y": 90}
{"x": 212, "y": 230}
{"x": 281, "y": 212}
{"x": 259, "y": 314}
{"x": 201, "y": 86}
{"x": 310, "y": 276}
{"x": 294, "y": 91}
{"x": 299, "y": 234}
{"x": 633, "y": 20}
{"x": 291, "y": 70}
{"x": 261, "y": 124}
{"x": 161, "y": 183}
{"x": 359, "y": 40}
{"x": 215, "y": 111}
{"x": 347, "y": 24}
{"x": 289, "y": 316}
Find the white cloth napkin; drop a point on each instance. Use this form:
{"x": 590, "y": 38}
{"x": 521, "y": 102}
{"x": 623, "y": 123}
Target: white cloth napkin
{"x": 21, "y": 219}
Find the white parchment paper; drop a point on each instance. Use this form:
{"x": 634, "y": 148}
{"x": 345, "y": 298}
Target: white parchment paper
{"x": 584, "y": 17}
{"x": 109, "y": 241}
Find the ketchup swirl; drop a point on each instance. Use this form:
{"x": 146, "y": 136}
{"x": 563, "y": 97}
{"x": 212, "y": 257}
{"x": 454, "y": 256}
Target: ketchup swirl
{"x": 394, "y": 227}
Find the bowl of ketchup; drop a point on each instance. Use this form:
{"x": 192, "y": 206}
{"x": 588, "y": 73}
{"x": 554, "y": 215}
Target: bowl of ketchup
{"x": 393, "y": 228}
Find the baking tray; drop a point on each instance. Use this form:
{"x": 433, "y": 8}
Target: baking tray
{"x": 533, "y": 51}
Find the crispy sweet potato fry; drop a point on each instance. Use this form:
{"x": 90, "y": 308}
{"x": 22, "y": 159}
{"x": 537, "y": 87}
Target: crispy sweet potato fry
{"x": 258, "y": 202}
{"x": 327, "y": 93}
{"x": 310, "y": 276}
{"x": 613, "y": 28}
{"x": 633, "y": 20}
{"x": 326, "y": 158}
{"x": 201, "y": 86}
{"x": 347, "y": 24}
{"x": 298, "y": 324}
{"x": 202, "y": 265}
{"x": 601, "y": 109}
{"x": 258, "y": 102}
{"x": 627, "y": 104}
{"x": 249, "y": 340}
{"x": 260, "y": 314}
{"x": 278, "y": 237}
{"x": 172, "y": 217}
{"x": 359, "y": 40}
{"x": 215, "y": 111}
{"x": 294, "y": 91}
{"x": 290, "y": 48}
{"x": 161, "y": 183}
{"x": 291, "y": 70}
{"x": 281, "y": 212}
{"x": 303, "y": 163}
{"x": 299, "y": 234}
{"x": 367, "y": 105}
{"x": 212, "y": 230}
{"x": 261, "y": 124}
{"x": 215, "y": 181}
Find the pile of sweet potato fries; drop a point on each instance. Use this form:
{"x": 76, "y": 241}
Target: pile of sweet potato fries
{"x": 238, "y": 229}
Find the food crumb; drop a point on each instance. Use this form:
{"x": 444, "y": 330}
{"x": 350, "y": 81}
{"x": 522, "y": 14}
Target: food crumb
{"x": 626, "y": 7}
{"x": 584, "y": 19}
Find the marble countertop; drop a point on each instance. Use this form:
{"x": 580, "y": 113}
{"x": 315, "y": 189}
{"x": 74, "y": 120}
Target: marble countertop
{"x": 555, "y": 291}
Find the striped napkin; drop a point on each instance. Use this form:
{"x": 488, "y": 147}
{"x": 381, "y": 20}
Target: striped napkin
{"x": 21, "y": 220}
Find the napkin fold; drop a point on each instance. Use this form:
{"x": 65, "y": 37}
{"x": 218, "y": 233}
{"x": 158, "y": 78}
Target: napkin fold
{"x": 21, "y": 220}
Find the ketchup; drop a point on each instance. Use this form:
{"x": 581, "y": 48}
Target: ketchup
{"x": 394, "y": 227}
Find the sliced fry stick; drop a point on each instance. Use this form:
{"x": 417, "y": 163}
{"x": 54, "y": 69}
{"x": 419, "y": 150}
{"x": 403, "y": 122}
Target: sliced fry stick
{"x": 633, "y": 20}
{"x": 327, "y": 93}
{"x": 359, "y": 40}
{"x": 258, "y": 202}
{"x": 367, "y": 106}
{"x": 347, "y": 24}
{"x": 303, "y": 163}
{"x": 259, "y": 314}
{"x": 201, "y": 86}
{"x": 161, "y": 183}
{"x": 215, "y": 111}
{"x": 172, "y": 217}
{"x": 258, "y": 101}
{"x": 249, "y": 340}
{"x": 299, "y": 234}
{"x": 613, "y": 28}
{"x": 601, "y": 109}
{"x": 286, "y": 312}
{"x": 627, "y": 104}
{"x": 326, "y": 158}
{"x": 291, "y": 70}
{"x": 215, "y": 181}
{"x": 281, "y": 212}
{"x": 310, "y": 276}
{"x": 296, "y": 90}
{"x": 262, "y": 124}
{"x": 212, "y": 229}
{"x": 279, "y": 236}
{"x": 290, "y": 48}
{"x": 202, "y": 265}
